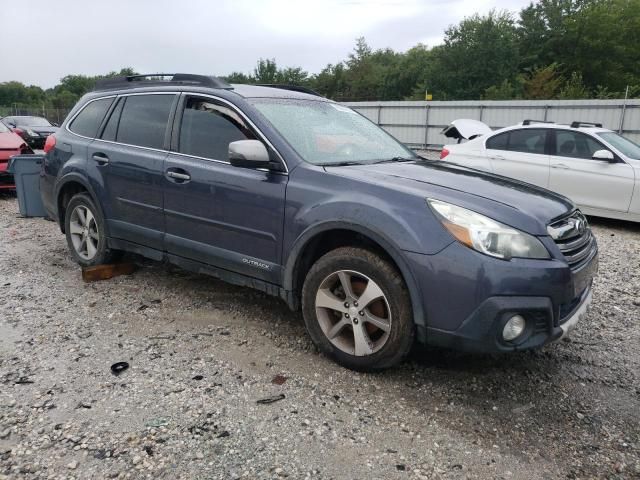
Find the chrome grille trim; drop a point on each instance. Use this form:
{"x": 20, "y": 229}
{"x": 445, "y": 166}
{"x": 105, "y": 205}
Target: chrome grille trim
{"x": 574, "y": 239}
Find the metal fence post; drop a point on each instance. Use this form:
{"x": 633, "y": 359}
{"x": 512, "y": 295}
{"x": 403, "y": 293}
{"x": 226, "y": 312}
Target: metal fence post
{"x": 481, "y": 110}
{"x": 546, "y": 109}
{"x": 426, "y": 125}
{"x": 378, "y": 115}
{"x": 624, "y": 110}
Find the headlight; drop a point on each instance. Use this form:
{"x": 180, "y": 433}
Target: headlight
{"x": 31, "y": 133}
{"x": 486, "y": 235}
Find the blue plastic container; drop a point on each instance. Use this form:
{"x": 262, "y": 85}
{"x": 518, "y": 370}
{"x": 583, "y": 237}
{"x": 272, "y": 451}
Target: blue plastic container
{"x": 26, "y": 173}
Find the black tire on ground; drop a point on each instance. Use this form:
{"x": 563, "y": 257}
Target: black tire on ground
{"x": 103, "y": 253}
{"x": 386, "y": 276}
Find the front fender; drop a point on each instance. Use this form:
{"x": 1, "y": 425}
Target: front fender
{"x": 381, "y": 239}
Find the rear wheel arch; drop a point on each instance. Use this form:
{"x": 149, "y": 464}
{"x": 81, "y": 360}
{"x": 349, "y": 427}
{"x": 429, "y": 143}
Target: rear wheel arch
{"x": 318, "y": 241}
{"x": 66, "y": 189}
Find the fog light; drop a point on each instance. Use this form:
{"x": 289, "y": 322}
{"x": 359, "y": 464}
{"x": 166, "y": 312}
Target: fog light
{"x": 514, "y": 328}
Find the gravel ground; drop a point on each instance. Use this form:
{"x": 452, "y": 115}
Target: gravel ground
{"x": 203, "y": 354}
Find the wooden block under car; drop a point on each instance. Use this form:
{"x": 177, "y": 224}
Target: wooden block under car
{"x": 105, "y": 272}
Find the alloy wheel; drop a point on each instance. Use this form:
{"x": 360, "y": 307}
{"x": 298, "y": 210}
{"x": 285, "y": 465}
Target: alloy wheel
{"x": 84, "y": 232}
{"x": 353, "y": 312}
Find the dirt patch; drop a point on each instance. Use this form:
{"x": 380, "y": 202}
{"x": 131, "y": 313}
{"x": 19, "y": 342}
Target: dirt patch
{"x": 203, "y": 353}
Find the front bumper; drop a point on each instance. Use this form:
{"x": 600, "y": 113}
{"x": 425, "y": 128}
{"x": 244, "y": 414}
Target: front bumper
{"x": 482, "y": 332}
{"x": 468, "y": 297}
{"x": 573, "y": 319}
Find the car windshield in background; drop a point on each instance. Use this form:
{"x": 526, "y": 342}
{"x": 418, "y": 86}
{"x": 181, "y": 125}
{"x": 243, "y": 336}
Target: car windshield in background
{"x": 325, "y": 133}
{"x": 626, "y": 146}
{"x": 32, "y": 122}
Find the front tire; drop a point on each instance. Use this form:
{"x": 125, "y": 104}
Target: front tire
{"x": 357, "y": 309}
{"x": 84, "y": 228}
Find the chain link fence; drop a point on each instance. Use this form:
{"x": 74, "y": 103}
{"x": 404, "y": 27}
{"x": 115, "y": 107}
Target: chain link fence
{"x": 54, "y": 115}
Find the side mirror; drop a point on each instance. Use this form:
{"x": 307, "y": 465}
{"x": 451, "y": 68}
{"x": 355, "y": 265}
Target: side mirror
{"x": 249, "y": 154}
{"x": 604, "y": 155}
{"x": 11, "y": 125}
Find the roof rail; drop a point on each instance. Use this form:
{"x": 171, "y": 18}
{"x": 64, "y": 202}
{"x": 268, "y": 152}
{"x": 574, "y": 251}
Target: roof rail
{"x": 154, "y": 79}
{"x": 529, "y": 121}
{"x": 585, "y": 124}
{"x": 294, "y": 88}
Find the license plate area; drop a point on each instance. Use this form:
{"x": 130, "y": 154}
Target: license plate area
{"x": 583, "y": 277}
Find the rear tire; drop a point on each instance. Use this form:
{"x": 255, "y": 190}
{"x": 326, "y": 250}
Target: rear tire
{"x": 84, "y": 228}
{"x": 357, "y": 309}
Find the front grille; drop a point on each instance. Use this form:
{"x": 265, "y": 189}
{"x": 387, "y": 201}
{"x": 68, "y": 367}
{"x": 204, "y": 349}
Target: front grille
{"x": 574, "y": 239}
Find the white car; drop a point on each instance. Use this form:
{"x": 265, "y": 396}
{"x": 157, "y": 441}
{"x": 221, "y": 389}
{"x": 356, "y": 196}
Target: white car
{"x": 595, "y": 167}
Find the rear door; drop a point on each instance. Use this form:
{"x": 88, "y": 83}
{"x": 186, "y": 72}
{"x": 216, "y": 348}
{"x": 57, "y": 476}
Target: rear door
{"x": 126, "y": 163}
{"x": 216, "y": 213}
{"x": 521, "y": 154}
{"x": 590, "y": 183}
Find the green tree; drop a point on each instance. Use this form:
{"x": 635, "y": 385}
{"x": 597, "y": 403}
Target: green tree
{"x": 596, "y": 38}
{"x": 17, "y": 92}
{"x": 366, "y": 70}
{"x": 331, "y": 81}
{"x": 266, "y": 71}
{"x": 505, "y": 91}
{"x": 292, "y": 76}
{"x": 574, "y": 88}
{"x": 478, "y": 53}
{"x": 238, "y": 77}
{"x": 543, "y": 83}
{"x": 407, "y": 78}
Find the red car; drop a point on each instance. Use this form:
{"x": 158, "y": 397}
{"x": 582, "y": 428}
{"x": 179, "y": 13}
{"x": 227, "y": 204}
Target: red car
{"x": 10, "y": 145}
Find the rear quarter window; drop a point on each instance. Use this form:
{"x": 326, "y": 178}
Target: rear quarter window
{"x": 90, "y": 117}
{"x": 498, "y": 142}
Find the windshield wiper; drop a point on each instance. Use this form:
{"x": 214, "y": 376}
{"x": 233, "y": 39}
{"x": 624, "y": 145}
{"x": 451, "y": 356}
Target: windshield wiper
{"x": 352, "y": 162}
{"x": 340, "y": 164}
{"x": 397, "y": 159}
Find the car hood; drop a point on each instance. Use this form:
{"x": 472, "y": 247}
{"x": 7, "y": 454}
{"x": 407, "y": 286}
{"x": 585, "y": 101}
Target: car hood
{"x": 517, "y": 204}
{"x": 9, "y": 140}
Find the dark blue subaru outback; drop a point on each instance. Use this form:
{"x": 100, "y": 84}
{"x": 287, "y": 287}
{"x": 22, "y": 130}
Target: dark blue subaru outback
{"x": 303, "y": 198}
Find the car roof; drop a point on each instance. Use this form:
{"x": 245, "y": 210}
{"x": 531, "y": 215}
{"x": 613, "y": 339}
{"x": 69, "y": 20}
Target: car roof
{"x": 237, "y": 90}
{"x": 192, "y": 83}
{"x": 261, "y": 91}
{"x": 557, "y": 126}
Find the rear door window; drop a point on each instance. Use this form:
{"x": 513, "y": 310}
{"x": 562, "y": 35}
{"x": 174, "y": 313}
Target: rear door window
{"x": 527, "y": 140}
{"x": 207, "y": 129}
{"x": 144, "y": 119}
{"x": 90, "y": 117}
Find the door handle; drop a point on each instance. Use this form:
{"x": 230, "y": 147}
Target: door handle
{"x": 561, "y": 166}
{"x": 496, "y": 157}
{"x": 100, "y": 158}
{"x": 178, "y": 176}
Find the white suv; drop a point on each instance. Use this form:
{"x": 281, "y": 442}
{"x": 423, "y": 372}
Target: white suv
{"x": 595, "y": 167}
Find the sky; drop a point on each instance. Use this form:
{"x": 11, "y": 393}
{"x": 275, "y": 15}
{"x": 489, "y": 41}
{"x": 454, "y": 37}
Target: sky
{"x": 214, "y": 37}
